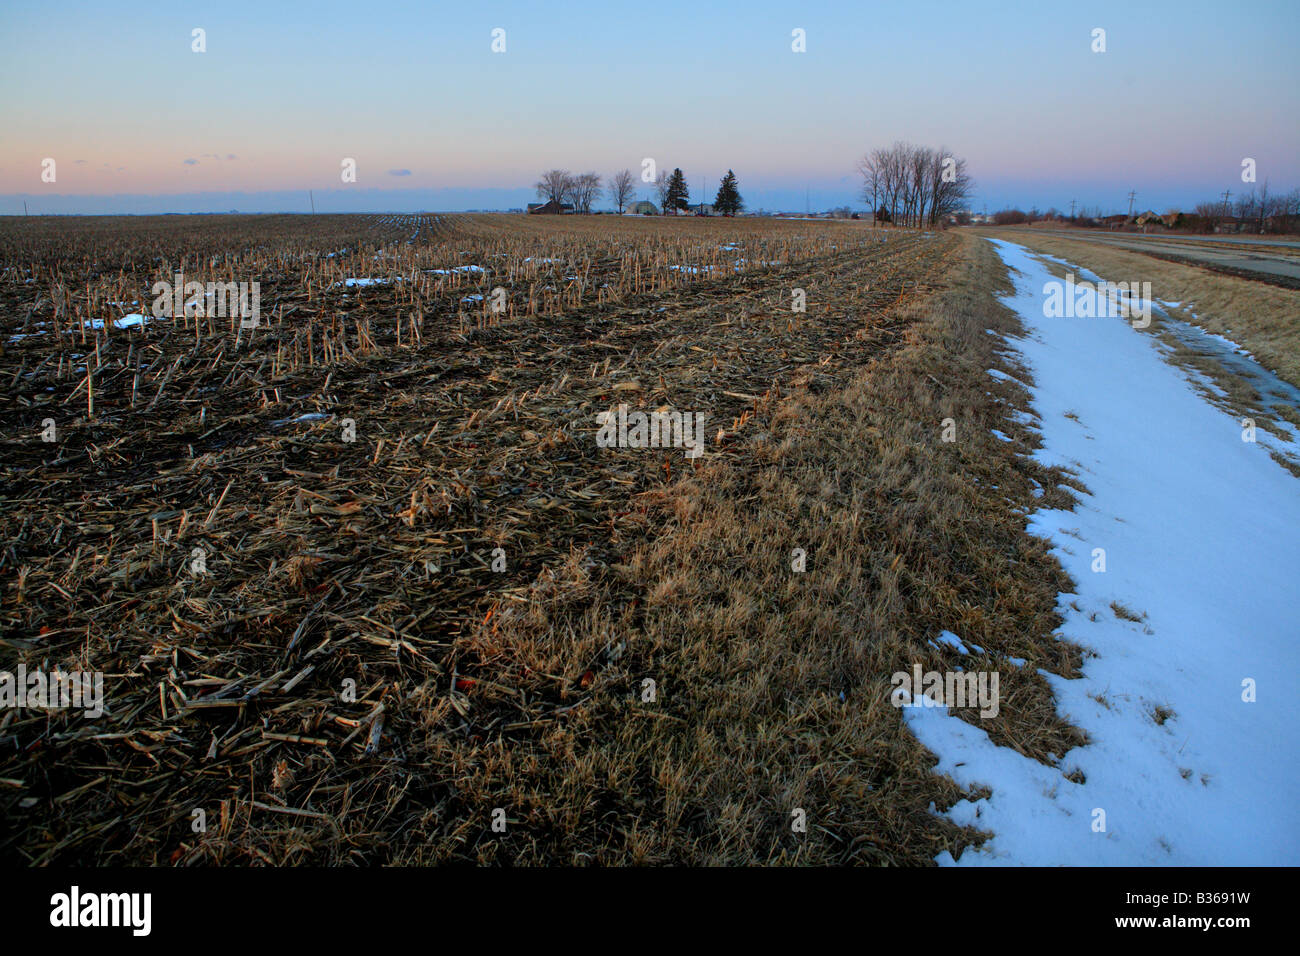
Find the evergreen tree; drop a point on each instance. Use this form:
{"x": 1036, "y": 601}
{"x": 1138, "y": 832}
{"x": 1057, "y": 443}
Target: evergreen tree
{"x": 728, "y": 201}
{"x": 678, "y": 196}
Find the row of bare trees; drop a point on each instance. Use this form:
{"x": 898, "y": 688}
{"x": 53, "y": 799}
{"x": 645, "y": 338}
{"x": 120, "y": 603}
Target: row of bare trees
{"x": 561, "y": 186}
{"x": 915, "y": 185}
{"x": 581, "y": 189}
{"x": 1262, "y": 212}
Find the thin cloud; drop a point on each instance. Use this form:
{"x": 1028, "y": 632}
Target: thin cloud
{"x": 399, "y": 172}
{"x": 191, "y": 162}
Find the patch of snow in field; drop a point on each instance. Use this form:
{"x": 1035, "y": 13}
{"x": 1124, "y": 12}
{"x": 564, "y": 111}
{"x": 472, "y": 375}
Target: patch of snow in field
{"x": 1200, "y": 537}
{"x": 133, "y": 321}
{"x": 351, "y": 283}
{"x": 949, "y": 639}
{"x": 307, "y": 417}
{"x": 447, "y": 272}
{"x": 1023, "y": 418}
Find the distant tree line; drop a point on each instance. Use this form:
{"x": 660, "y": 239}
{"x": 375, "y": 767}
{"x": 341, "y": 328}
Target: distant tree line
{"x": 915, "y": 185}
{"x": 561, "y": 187}
{"x": 1265, "y": 212}
{"x": 1255, "y": 212}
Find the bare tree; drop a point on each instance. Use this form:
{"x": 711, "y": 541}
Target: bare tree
{"x": 894, "y": 178}
{"x": 1209, "y": 213}
{"x": 661, "y": 190}
{"x": 951, "y": 185}
{"x": 918, "y": 178}
{"x": 555, "y": 186}
{"x": 1287, "y": 212}
{"x": 1246, "y": 207}
{"x": 873, "y": 180}
{"x": 622, "y": 189}
{"x": 583, "y": 190}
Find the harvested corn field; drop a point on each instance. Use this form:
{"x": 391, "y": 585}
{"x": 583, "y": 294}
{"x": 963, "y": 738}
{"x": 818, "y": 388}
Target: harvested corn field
{"x": 360, "y": 575}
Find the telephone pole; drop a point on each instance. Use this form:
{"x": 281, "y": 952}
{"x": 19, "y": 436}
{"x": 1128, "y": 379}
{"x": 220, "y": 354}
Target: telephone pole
{"x": 1072, "y": 202}
{"x": 1226, "y": 194}
{"x": 1131, "y": 194}
{"x": 313, "y": 202}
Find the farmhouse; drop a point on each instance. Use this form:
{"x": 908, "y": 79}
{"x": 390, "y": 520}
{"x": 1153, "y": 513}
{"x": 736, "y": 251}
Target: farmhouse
{"x": 551, "y": 207}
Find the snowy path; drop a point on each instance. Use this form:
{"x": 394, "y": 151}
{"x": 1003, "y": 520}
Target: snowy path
{"x": 1201, "y": 532}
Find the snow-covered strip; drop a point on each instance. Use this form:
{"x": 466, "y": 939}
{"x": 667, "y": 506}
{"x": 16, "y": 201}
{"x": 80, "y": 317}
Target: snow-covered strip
{"x": 1190, "y": 710}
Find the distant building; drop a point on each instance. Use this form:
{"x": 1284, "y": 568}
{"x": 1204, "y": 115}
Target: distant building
{"x": 644, "y": 208}
{"x": 550, "y": 208}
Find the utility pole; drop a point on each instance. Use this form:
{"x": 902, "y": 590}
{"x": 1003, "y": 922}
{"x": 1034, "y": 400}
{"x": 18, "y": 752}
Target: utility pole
{"x": 1131, "y": 194}
{"x": 24, "y": 207}
{"x": 313, "y": 202}
{"x": 1072, "y": 202}
{"x": 1226, "y": 194}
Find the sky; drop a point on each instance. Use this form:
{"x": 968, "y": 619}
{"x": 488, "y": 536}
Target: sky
{"x": 136, "y": 121}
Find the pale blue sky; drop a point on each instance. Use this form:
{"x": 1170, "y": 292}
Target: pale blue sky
{"x": 114, "y": 94}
